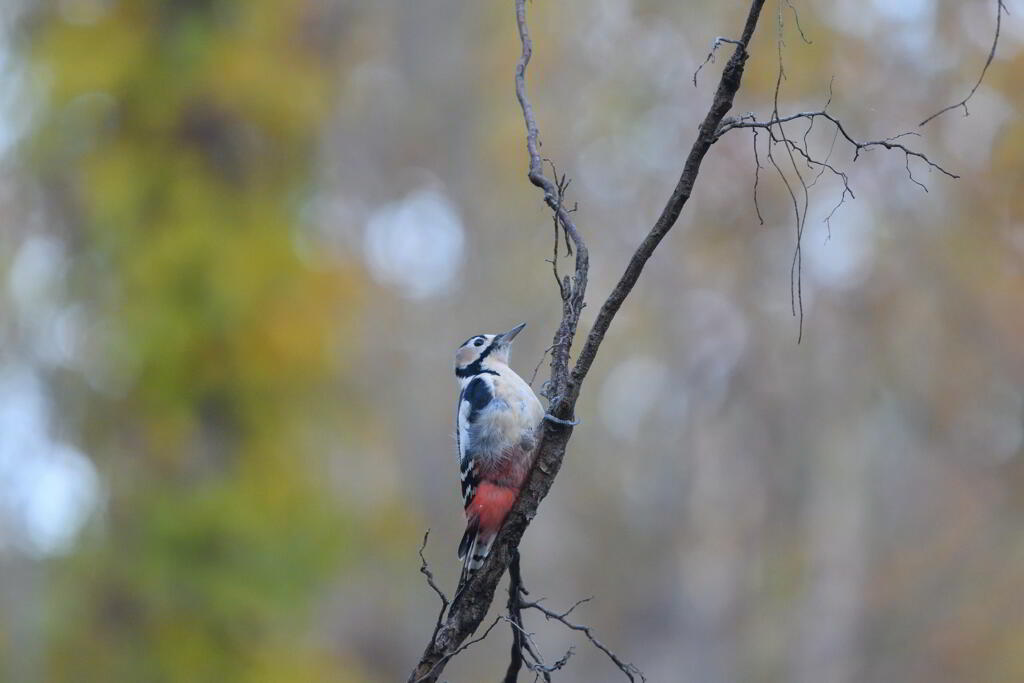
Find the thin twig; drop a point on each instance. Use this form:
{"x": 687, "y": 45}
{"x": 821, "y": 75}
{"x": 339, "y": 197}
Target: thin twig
{"x": 1000, "y": 8}
{"x": 524, "y": 649}
{"x": 536, "y": 368}
{"x": 799, "y": 28}
{"x": 425, "y": 570}
{"x": 796, "y": 267}
{"x": 711, "y": 55}
{"x": 532, "y": 658}
{"x": 757, "y": 179}
{"x": 887, "y": 143}
{"x": 465, "y": 646}
{"x": 774, "y": 123}
{"x": 775, "y": 127}
{"x": 515, "y": 616}
{"x": 628, "y": 669}
{"x": 572, "y": 295}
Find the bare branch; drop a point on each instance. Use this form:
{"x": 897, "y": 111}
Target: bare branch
{"x": 628, "y": 669}
{"x": 466, "y": 612}
{"x": 476, "y": 591}
{"x": 524, "y": 649}
{"x": 825, "y": 165}
{"x": 711, "y": 55}
{"x": 515, "y": 618}
{"x": 777, "y": 134}
{"x": 532, "y": 658}
{"x": 432, "y": 673}
{"x": 796, "y": 267}
{"x": 887, "y": 143}
{"x": 706, "y": 136}
{"x": 425, "y": 570}
{"x": 572, "y": 296}
{"x": 757, "y": 179}
{"x": 1000, "y": 8}
{"x": 796, "y": 18}
{"x": 536, "y": 368}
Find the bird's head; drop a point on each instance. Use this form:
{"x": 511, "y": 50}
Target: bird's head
{"x": 478, "y": 352}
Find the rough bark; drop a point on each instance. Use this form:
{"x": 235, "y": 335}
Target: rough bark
{"x": 476, "y": 594}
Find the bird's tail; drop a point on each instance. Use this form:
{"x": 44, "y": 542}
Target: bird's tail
{"x": 486, "y": 512}
{"x": 475, "y": 546}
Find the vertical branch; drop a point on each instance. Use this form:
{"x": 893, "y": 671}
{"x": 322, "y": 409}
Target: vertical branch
{"x": 425, "y": 570}
{"x": 515, "y": 616}
{"x": 796, "y": 288}
{"x": 572, "y": 292}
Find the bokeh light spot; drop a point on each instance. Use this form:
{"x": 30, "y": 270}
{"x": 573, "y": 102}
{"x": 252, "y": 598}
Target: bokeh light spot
{"x": 415, "y": 244}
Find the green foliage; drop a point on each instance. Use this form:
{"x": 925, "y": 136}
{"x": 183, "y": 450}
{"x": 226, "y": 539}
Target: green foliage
{"x": 181, "y": 136}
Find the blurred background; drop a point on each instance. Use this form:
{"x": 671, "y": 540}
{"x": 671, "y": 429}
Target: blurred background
{"x": 240, "y": 241}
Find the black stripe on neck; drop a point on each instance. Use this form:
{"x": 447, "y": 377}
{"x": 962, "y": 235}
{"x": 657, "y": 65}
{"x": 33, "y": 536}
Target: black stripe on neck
{"x": 472, "y": 370}
{"x": 475, "y": 368}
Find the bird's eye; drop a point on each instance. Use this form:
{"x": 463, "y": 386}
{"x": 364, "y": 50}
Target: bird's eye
{"x": 478, "y": 342}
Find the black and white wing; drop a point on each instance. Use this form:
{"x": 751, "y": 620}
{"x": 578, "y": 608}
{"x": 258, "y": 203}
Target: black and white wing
{"x": 474, "y": 398}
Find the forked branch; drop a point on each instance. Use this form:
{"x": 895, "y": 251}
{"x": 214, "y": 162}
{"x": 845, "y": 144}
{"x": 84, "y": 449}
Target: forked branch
{"x": 750, "y": 121}
{"x": 475, "y": 595}
{"x": 467, "y": 610}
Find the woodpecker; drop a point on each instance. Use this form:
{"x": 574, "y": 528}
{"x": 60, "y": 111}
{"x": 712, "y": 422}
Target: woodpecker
{"x": 496, "y": 420}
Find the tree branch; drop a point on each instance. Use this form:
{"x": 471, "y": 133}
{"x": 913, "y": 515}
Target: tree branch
{"x": 1000, "y": 8}
{"x": 751, "y": 121}
{"x": 515, "y": 616}
{"x": 433, "y": 672}
{"x": 425, "y": 570}
{"x": 463, "y": 616}
{"x": 629, "y": 670}
{"x": 572, "y": 292}
{"x": 524, "y": 649}
{"x": 706, "y": 136}
{"x": 476, "y": 593}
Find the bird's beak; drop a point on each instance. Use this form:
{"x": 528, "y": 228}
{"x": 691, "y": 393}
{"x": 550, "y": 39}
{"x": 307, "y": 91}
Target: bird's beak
{"x": 505, "y": 338}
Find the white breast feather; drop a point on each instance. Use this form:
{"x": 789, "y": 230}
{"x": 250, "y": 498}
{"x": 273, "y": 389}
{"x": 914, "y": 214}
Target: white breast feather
{"x": 530, "y": 409}
{"x": 513, "y": 410}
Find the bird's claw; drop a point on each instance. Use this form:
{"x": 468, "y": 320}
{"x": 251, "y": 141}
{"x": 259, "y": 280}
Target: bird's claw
{"x": 557, "y": 420}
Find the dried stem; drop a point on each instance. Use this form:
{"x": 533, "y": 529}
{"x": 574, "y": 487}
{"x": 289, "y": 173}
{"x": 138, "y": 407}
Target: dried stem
{"x": 1000, "y": 8}
{"x": 749, "y": 121}
{"x": 573, "y": 292}
{"x": 628, "y": 669}
{"x": 425, "y": 570}
{"x": 434, "y": 671}
{"x": 515, "y": 616}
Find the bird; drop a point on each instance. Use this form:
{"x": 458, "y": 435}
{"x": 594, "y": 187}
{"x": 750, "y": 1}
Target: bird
{"x": 496, "y": 423}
